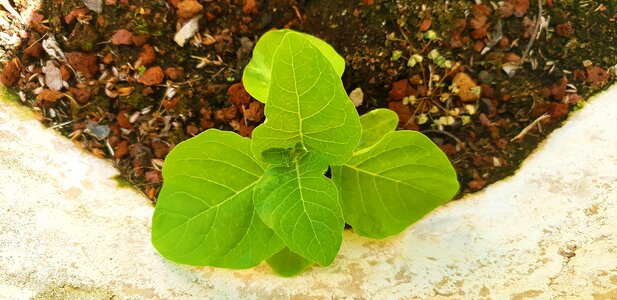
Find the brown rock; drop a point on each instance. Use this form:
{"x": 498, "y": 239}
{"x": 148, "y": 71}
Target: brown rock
{"x": 448, "y": 149}
{"x": 487, "y": 91}
{"x": 10, "y": 74}
{"x": 402, "y": 110}
{"x": 529, "y": 27}
{"x": 109, "y": 58}
{"x": 189, "y": 8}
{"x": 555, "y": 110}
{"x": 400, "y": 89}
{"x": 154, "y": 176}
{"x": 565, "y": 29}
{"x": 174, "y": 73}
{"x": 83, "y": 62}
{"x": 250, "y": 7}
{"x": 192, "y": 130}
{"x": 255, "y": 112}
{"x": 481, "y": 32}
{"x": 122, "y": 37}
{"x": 226, "y": 114}
{"x": 140, "y": 39}
{"x": 557, "y": 90}
{"x": 49, "y": 96}
{"x": 152, "y": 76}
{"x": 160, "y": 149}
{"x": 511, "y": 57}
{"x": 465, "y": 86}
{"x": 206, "y": 124}
{"x": 123, "y": 120}
{"x": 35, "y": 49}
{"x": 111, "y": 2}
{"x": 82, "y": 95}
{"x": 506, "y": 10}
{"x": 520, "y": 7}
{"x": 237, "y": 95}
{"x": 76, "y": 13}
{"x": 502, "y": 144}
{"x": 477, "y": 184}
{"x": 122, "y": 150}
{"x": 504, "y": 42}
{"x": 425, "y": 24}
{"x": 596, "y": 76}
{"x": 147, "y": 55}
{"x": 478, "y": 46}
{"x": 36, "y": 20}
{"x": 66, "y": 72}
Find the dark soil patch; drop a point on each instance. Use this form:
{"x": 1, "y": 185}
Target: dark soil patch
{"x": 130, "y": 93}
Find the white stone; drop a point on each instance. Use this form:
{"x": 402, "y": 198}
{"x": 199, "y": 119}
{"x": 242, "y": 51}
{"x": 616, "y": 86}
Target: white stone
{"x": 549, "y": 231}
{"x": 94, "y": 5}
{"x": 187, "y": 31}
{"x": 53, "y": 76}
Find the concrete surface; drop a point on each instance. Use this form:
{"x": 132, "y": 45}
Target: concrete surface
{"x": 550, "y": 231}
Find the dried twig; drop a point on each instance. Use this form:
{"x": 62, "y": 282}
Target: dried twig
{"x": 529, "y": 127}
{"x": 535, "y": 33}
{"x": 7, "y": 5}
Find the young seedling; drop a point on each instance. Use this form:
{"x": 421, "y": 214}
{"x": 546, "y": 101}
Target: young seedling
{"x": 233, "y": 202}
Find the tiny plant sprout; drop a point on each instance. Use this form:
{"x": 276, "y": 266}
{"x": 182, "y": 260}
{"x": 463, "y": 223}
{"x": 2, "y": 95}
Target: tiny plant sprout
{"x": 417, "y": 57}
{"x": 440, "y": 61}
{"x": 411, "y": 62}
{"x": 422, "y": 118}
{"x": 396, "y": 55}
{"x": 414, "y": 59}
{"x": 446, "y": 120}
{"x": 433, "y": 54}
{"x": 465, "y": 120}
{"x": 233, "y": 202}
{"x": 471, "y": 109}
{"x": 430, "y": 35}
{"x": 476, "y": 91}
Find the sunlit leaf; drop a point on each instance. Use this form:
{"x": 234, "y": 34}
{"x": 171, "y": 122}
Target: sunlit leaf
{"x": 258, "y": 73}
{"x": 287, "y": 263}
{"x": 391, "y": 185}
{"x": 302, "y": 207}
{"x": 375, "y": 124}
{"x": 205, "y": 213}
{"x": 306, "y": 101}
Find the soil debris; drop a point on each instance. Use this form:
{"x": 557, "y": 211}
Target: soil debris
{"x": 471, "y": 75}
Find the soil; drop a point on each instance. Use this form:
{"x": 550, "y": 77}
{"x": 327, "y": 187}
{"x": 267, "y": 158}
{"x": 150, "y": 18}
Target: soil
{"x": 486, "y": 82}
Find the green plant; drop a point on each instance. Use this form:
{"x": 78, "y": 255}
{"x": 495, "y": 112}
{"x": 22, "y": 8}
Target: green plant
{"x": 233, "y": 202}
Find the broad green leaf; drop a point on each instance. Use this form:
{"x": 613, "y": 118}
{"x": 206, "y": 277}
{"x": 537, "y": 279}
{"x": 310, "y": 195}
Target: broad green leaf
{"x": 205, "y": 213}
{"x": 287, "y": 263}
{"x": 258, "y": 73}
{"x": 375, "y": 125}
{"x": 391, "y": 185}
{"x": 307, "y": 103}
{"x": 302, "y": 207}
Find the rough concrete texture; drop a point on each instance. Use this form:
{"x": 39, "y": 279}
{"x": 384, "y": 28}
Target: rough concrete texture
{"x": 550, "y": 231}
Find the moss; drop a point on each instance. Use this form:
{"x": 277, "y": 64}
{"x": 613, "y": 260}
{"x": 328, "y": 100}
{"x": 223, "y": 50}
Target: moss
{"x": 8, "y": 96}
{"x": 121, "y": 181}
{"x": 11, "y": 98}
{"x": 137, "y": 99}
